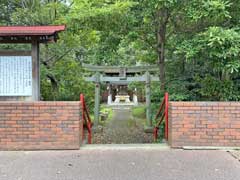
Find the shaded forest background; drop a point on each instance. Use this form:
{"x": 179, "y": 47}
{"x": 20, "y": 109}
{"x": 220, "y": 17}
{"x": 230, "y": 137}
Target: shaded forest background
{"x": 195, "y": 44}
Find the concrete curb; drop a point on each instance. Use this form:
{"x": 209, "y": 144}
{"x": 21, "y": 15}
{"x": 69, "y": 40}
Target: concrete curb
{"x": 210, "y": 148}
{"x": 125, "y": 147}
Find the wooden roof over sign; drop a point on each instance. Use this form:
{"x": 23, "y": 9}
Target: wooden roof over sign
{"x": 117, "y": 69}
{"x": 26, "y": 34}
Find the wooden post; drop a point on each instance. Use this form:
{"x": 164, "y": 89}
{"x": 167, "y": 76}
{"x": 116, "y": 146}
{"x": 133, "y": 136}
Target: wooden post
{"x": 148, "y": 102}
{"x": 97, "y": 98}
{"x": 35, "y": 71}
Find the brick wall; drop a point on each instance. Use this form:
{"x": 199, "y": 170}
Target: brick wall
{"x": 204, "y": 124}
{"x": 40, "y": 125}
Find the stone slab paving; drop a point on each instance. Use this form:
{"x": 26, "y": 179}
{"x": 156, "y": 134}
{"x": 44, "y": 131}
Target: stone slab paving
{"x": 122, "y": 129}
{"x": 235, "y": 154}
{"x": 127, "y": 164}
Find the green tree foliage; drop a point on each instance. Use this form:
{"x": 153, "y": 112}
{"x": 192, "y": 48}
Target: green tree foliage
{"x": 195, "y": 43}
{"x": 217, "y": 50}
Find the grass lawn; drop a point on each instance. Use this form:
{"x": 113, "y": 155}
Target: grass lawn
{"x": 139, "y": 112}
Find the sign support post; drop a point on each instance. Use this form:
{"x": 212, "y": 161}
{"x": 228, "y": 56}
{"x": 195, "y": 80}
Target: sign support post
{"x": 35, "y": 71}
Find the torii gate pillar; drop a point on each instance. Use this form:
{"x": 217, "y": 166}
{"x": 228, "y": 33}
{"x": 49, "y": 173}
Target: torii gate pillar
{"x": 149, "y": 127}
{"x": 97, "y": 99}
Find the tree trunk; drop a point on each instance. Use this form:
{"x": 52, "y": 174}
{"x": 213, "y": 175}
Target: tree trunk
{"x": 161, "y": 62}
{"x": 163, "y": 16}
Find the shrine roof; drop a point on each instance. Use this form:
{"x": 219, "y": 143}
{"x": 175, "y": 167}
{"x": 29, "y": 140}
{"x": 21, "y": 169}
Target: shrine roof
{"x": 30, "y": 30}
{"x": 15, "y": 34}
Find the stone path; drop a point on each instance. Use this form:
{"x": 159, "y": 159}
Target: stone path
{"x": 122, "y": 129}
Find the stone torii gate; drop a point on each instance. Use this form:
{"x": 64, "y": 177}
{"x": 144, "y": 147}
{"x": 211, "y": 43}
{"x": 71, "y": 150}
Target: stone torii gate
{"x": 122, "y": 75}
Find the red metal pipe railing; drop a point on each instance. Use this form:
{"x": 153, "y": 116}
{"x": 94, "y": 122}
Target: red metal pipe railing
{"x": 87, "y": 123}
{"x": 163, "y": 106}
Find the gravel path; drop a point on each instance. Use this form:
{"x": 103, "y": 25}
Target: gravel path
{"x": 122, "y": 129}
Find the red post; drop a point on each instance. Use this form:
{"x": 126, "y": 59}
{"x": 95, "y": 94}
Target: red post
{"x": 86, "y": 120}
{"x": 155, "y": 133}
{"x": 82, "y": 104}
{"x": 166, "y": 116}
{"x": 89, "y": 134}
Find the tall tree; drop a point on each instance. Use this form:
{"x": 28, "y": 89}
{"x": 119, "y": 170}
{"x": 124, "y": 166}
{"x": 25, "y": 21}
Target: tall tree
{"x": 170, "y": 18}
